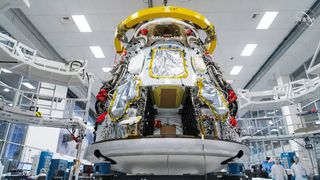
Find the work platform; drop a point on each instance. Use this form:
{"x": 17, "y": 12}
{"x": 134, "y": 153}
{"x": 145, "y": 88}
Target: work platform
{"x": 44, "y": 121}
{"x": 284, "y": 95}
{"x": 23, "y": 60}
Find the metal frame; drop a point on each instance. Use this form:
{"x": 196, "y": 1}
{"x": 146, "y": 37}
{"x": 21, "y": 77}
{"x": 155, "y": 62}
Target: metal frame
{"x": 282, "y": 95}
{"x": 24, "y": 60}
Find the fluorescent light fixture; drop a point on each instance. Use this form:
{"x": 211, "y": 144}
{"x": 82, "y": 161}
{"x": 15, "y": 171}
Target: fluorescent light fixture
{"x": 6, "y": 90}
{"x": 5, "y": 70}
{"x": 248, "y": 49}
{"x": 27, "y": 3}
{"x": 267, "y": 19}
{"x": 81, "y": 23}
{"x": 235, "y": 70}
{"x": 28, "y": 85}
{"x": 106, "y": 69}
{"x": 230, "y": 81}
{"x": 271, "y": 112}
{"x": 97, "y": 51}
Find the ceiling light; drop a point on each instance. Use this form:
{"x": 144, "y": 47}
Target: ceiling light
{"x": 27, "y": 3}
{"x": 28, "y": 85}
{"x": 97, "y": 51}
{"x": 82, "y": 23}
{"x": 230, "y": 81}
{"x": 6, "y": 90}
{"x": 248, "y": 49}
{"x": 270, "y": 122}
{"x": 106, "y": 69}
{"x": 5, "y": 70}
{"x": 235, "y": 70}
{"x": 267, "y": 19}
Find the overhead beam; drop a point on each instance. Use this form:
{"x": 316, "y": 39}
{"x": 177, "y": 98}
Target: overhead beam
{"x": 286, "y": 43}
{"x": 22, "y": 22}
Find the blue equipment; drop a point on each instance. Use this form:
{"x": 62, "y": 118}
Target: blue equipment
{"x": 234, "y": 168}
{"x": 44, "y": 161}
{"x": 267, "y": 166}
{"x": 286, "y": 159}
{"x": 58, "y": 168}
{"x": 102, "y": 168}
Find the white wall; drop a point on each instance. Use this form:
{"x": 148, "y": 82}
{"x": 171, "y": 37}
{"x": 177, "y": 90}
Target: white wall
{"x": 40, "y": 137}
{"x": 43, "y": 137}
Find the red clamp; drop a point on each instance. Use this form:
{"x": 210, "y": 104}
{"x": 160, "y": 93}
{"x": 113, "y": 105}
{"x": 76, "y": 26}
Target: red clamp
{"x": 232, "y": 96}
{"x": 233, "y": 121}
{"x": 144, "y": 31}
{"x": 102, "y": 95}
{"x": 189, "y": 32}
{"x": 101, "y": 117}
{"x": 157, "y": 123}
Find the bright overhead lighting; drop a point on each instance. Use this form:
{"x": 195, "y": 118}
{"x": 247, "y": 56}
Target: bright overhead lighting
{"x": 235, "y": 70}
{"x": 248, "y": 49}
{"x": 27, "y": 3}
{"x": 97, "y": 51}
{"x": 230, "y": 81}
{"x": 6, "y": 90}
{"x": 267, "y": 19}
{"x": 81, "y": 23}
{"x": 106, "y": 69}
{"x": 28, "y": 85}
{"x": 5, "y": 70}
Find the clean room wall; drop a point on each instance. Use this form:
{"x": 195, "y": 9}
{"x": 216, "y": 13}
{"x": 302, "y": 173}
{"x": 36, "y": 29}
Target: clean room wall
{"x": 45, "y": 138}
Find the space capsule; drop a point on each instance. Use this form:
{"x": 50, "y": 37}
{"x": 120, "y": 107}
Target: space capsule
{"x": 166, "y": 108}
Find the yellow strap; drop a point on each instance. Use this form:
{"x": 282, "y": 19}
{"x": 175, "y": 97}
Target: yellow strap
{"x": 162, "y": 12}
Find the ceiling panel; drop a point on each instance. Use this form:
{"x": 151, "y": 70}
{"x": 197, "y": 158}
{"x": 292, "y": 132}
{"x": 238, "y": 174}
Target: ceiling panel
{"x": 232, "y": 19}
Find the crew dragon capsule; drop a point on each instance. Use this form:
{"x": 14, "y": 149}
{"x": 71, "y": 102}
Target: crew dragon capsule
{"x": 166, "y": 109}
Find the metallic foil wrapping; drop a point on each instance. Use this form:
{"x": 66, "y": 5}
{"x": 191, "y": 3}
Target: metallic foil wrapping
{"x": 125, "y": 94}
{"x": 167, "y": 63}
{"x": 212, "y": 97}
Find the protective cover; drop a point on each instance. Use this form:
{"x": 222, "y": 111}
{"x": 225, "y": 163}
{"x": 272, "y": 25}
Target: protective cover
{"x": 167, "y": 63}
{"x": 198, "y": 65}
{"x": 212, "y": 97}
{"x": 125, "y": 94}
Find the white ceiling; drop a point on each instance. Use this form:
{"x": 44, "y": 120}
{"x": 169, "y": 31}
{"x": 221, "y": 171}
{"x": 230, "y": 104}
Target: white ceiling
{"x": 232, "y": 19}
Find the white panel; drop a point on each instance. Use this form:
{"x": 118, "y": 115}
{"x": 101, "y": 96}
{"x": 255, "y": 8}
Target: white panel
{"x": 136, "y": 63}
{"x": 43, "y": 138}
